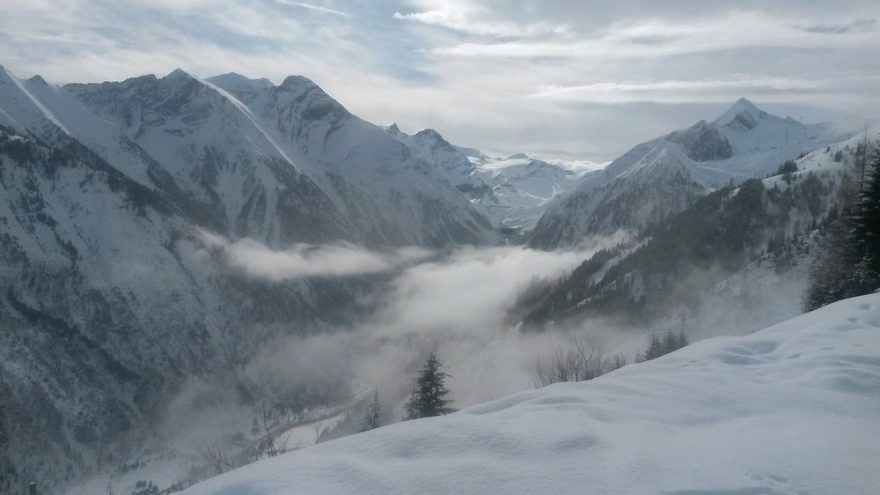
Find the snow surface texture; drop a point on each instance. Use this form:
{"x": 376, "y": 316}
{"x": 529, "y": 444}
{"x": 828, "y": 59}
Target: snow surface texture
{"x": 789, "y": 410}
{"x": 663, "y": 176}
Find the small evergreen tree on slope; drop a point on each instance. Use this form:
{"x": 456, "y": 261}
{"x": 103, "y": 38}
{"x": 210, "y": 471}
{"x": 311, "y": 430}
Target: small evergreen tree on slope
{"x": 374, "y": 414}
{"x": 429, "y": 395}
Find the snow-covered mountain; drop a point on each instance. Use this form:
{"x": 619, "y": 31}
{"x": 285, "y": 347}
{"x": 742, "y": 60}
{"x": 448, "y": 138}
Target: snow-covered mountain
{"x": 527, "y": 186}
{"x": 453, "y": 163}
{"x": 664, "y": 175}
{"x": 112, "y": 299}
{"x": 119, "y": 201}
{"x": 199, "y": 128}
{"x": 790, "y": 409}
{"x": 741, "y": 250}
{"x": 391, "y": 194}
{"x": 513, "y": 192}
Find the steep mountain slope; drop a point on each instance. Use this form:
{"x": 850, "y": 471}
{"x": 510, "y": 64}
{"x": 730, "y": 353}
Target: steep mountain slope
{"x": 392, "y": 196}
{"x": 110, "y": 301}
{"x": 451, "y": 162}
{"x": 662, "y": 176}
{"x": 180, "y": 139}
{"x": 75, "y": 367}
{"x": 115, "y": 290}
{"x": 790, "y": 409}
{"x": 513, "y": 192}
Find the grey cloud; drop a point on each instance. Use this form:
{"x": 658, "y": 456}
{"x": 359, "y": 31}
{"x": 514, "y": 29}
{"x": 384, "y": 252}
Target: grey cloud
{"x": 859, "y": 26}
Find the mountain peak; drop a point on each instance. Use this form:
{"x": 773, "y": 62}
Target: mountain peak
{"x": 430, "y": 133}
{"x": 37, "y": 80}
{"x": 231, "y": 76}
{"x": 746, "y": 104}
{"x": 179, "y": 80}
{"x": 743, "y": 112}
{"x": 177, "y": 74}
{"x": 235, "y": 82}
{"x": 292, "y": 82}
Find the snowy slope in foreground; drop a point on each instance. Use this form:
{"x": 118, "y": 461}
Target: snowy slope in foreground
{"x": 791, "y": 409}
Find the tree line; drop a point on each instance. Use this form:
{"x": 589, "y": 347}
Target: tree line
{"x": 849, "y": 264}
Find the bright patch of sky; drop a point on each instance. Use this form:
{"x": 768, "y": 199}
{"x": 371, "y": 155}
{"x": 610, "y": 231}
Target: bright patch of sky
{"x": 574, "y": 79}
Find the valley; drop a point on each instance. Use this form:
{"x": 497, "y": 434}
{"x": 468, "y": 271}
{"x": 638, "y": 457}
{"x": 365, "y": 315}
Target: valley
{"x": 198, "y": 274}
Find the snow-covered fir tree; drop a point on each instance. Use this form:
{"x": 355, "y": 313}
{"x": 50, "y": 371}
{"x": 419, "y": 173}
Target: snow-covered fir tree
{"x": 373, "y": 419}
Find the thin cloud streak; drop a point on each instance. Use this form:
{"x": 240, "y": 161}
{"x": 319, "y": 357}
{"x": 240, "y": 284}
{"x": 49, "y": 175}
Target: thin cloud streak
{"x": 669, "y": 91}
{"x": 317, "y": 8}
{"x": 665, "y": 39}
{"x": 711, "y": 91}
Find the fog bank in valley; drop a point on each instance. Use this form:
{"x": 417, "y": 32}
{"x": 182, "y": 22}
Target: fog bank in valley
{"x": 457, "y": 303}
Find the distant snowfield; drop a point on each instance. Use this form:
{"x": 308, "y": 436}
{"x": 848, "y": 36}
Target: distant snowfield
{"x": 793, "y": 409}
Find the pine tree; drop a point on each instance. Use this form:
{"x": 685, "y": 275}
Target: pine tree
{"x": 655, "y": 348}
{"x": 850, "y": 263}
{"x": 682, "y": 339}
{"x": 374, "y": 414}
{"x": 429, "y": 394}
{"x": 828, "y": 280}
{"x": 660, "y": 346}
{"x": 670, "y": 342}
{"x": 866, "y": 227}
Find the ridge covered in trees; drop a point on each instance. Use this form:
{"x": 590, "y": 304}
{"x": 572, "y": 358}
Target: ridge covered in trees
{"x": 721, "y": 233}
{"x": 849, "y": 264}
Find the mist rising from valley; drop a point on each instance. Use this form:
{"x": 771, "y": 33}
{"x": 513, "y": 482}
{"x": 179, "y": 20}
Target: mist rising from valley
{"x": 462, "y": 303}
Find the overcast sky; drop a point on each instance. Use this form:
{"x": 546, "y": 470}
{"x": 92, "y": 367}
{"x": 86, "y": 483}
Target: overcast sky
{"x": 574, "y": 79}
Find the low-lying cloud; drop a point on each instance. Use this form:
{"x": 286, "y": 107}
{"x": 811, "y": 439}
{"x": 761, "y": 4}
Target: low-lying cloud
{"x": 457, "y": 304}
{"x": 307, "y": 260}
